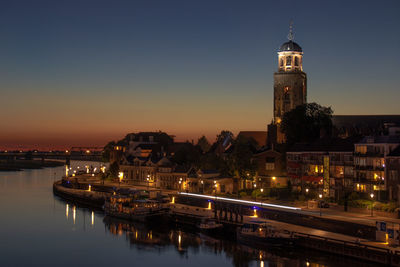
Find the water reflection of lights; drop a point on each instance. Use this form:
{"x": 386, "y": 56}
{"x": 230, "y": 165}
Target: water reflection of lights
{"x": 261, "y": 259}
{"x": 66, "y": 211}
{"x": 92, "y": 217}
{"x": 74, "y": 214}
{"x": 179, "y": 239}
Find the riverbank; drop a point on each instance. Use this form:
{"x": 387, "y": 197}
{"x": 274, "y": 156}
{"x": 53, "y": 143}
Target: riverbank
{"x": 19, "y": 165}
{"x": 89, "y": 198}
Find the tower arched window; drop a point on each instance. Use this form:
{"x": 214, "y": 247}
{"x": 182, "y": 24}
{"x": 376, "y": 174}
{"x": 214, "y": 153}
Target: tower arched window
{"x": 281, "y": 63}
{"x": 296, "y": 61}
{"x": 288, "y": 61}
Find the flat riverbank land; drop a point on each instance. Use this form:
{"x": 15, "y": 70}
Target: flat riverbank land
{"x": 20, "y": 164}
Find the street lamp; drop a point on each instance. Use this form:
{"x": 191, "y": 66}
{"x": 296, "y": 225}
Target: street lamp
{"x": 307, "y": 196}
{"x": 148, "y": 181}
{"x": 372, "y": 204}
{"x": 320, "y": 205}
{"x": 120, "y": 177}
{"x": 202, "y": 184}
{"x": 215, "y": 185}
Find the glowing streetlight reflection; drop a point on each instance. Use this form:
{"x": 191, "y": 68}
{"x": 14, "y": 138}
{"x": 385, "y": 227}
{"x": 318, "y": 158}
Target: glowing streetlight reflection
{"x": 92, "y": 217}
{"x": 74, "y": 214}
{"x": 66, "y": 211}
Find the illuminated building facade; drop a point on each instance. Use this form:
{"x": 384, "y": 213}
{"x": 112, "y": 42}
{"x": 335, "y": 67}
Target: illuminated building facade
{"x": 370, "y": 157}
{"x": 325, "y": 165}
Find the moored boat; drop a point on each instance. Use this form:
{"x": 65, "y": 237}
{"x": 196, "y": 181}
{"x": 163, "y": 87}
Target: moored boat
{"x": 261, "y": 233}
{"x": 126, "y": 207}
{"x": 209, "y": 225}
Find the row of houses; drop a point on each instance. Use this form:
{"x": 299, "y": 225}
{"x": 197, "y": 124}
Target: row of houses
{"x": 334, "y": 167}
{"x": 145, "y": 161}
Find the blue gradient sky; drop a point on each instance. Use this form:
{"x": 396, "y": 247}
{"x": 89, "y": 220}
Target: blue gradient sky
{"x": 85, "y": 72}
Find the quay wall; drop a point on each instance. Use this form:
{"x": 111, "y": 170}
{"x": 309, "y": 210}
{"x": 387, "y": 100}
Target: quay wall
{"x": 90, "y": 198}
{"x": 317, "y": 222}
{"x": 349, "y": 249}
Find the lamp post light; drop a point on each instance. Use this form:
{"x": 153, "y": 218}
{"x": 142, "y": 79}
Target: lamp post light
{"x": 148, "y": 181}
{"x": 215, "y": 185}
{"x": 120, "y": 177}
{"x": 320, "y": 205}
{"x": 372, "y": 204}
{"x": 307, "y": 196}
{"x": 202, "y": 184}
{"x": 255, "y": 192}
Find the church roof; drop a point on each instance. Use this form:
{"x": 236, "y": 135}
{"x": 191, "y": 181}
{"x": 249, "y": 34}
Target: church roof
{"x": 290, "y": 46}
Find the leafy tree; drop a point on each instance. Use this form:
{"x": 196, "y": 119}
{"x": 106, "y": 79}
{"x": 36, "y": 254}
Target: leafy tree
{"x": 187, "y": 155}
{"x": 203, "y": 144}
{"x": 306, "y": 122}
{"x": 224, "y": 135}
{"x": 241, "y": 157}
{"x": 114, "y": 169}
{"x": 107, "y": 150}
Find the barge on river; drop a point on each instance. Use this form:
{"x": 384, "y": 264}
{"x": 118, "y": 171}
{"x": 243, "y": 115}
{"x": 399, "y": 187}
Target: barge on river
{"x": 128, "y": 208}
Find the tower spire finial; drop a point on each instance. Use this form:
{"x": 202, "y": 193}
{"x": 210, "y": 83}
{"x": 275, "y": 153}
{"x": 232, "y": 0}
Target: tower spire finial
{"x": 290, "y": 35}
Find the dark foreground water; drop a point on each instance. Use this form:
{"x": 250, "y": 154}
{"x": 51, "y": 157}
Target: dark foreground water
{"x": 39, "y": 229}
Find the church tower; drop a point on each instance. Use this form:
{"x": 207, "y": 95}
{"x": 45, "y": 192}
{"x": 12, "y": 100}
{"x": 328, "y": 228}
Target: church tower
{"x": 290, "y": 82}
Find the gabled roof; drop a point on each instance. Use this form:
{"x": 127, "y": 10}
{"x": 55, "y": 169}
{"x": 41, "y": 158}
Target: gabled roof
{"x": 164, "y": 162}
{"x": 207, "y": 171}
{"x": 182, "y": 169}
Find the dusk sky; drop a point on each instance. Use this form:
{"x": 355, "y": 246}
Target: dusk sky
{"x": 87, "y": 72}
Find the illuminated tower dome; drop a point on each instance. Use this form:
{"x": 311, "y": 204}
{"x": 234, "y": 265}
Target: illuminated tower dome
{"x": 290, "y": 82}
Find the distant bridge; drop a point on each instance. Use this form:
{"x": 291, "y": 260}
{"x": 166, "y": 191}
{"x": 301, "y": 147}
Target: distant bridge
{"x": 75, "y": 153}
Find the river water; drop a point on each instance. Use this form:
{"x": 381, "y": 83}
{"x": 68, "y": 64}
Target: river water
{"x": 40, "y": 229}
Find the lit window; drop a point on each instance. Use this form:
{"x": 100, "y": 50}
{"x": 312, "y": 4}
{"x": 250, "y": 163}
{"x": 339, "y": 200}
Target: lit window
{"x": 269, "y": 166}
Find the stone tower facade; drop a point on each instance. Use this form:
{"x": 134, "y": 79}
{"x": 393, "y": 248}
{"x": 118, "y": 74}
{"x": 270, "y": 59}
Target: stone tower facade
{"x": 290, "y": 83}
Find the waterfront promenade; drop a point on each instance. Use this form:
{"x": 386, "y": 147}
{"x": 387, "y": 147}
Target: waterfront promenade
{"x": 327, "y": 213}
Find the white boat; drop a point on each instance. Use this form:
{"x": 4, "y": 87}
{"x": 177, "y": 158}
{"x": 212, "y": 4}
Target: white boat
{"x": 262, "y": 233}
{"x": 209, "y": 225}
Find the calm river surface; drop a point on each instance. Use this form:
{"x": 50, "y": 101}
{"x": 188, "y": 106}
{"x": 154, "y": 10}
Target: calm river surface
{"x": 40, "y": 229}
